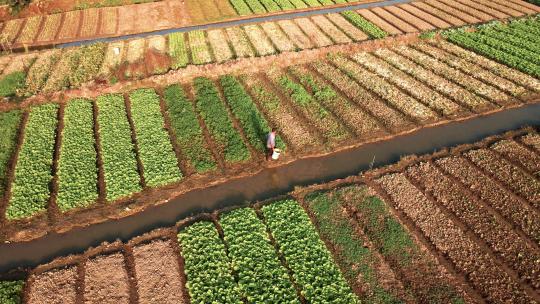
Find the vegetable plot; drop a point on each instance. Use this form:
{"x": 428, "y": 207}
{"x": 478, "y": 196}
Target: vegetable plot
{"x": 356, "y": 259}
{"x": 9, "y": 124}
{"x": 217, "y": 120}
{"x": 117, "y": 151}
{"x": 367, "y": 27}
{"x": 262, "y": 278}
{"x": 189, "y": 136}
{"x": 178, "y": 50}
{"x": 254, "y": 124}
{"x": 11, "y": 292}
{"x": 77, "y": 171}
{"x": 159, "y": 162}
{"x": 207, "y": 268}
{"x": 494, "y": 43}
{"x": 311, "y": 263}
{"x": 30, "y": 192}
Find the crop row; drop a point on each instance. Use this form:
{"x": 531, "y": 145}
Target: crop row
{"x": 154, "y": 147}
{"x": 248, "y": 7}
{"x": 77, "y": 170}
{"x": 117, "y": 150}
{"x": 189, "y": 135}
{"x": 262, "y": 278}
{"x": 30, "y": 189}
{"x": 310, "y": 261}
{"x": 207, "y": 267}
{"x": 57, "y": 70}
{"x": 366, "y": 222}
{"x": 9, "y": 125}
{"x": 354, "y": 257}
{"x": 209, "y": 104}
{"x": 493, "y": 44}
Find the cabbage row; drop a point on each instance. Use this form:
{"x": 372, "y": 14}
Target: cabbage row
{"x": 158, "y": 159}
{"x": 312, "y": 265}
{"x": 119, "y": 162}
{"x": 9, "y": 124}
{"x": 207, "y": 268}
{"x": 262, "y": 278}
{"x": 33, "y": 173}
{"x": 213, "y": 111}
{"x": 77, "y": 170}
{"x": 253, "y": 122}
{"x": 363, "y": 24}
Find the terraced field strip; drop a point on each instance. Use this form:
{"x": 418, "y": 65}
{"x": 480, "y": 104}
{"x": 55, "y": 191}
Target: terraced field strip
{"x": 487, "y": 274}
{"x": 497, "y": 235}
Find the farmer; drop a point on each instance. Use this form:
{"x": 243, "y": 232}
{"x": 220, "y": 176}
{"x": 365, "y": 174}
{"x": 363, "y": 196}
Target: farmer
{"x": 270, "y": 143}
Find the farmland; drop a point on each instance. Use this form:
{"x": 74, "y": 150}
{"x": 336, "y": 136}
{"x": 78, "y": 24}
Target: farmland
{"x": 136, "y": 168}
{"x": 162, "y": 136}
{"x": 124, "y": 60}
{"x": 336, "y": 242}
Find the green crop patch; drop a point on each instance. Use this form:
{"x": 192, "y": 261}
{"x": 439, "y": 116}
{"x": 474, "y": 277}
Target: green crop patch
{"x": 178, "y": 50}
{"x": 363, "y": 24}
{"x": 497, "y": 41}
{"x": 12, "y": 83}
{"x": 117, "y": 150}
{"x": 189, "y": 135}
{"x": 33, "y": 173}
{"x": 311, "y": 263}
{"x": 77, "y": 170}
{"x": 9, "y": 126}
{"x": 159, "y": 162}
{"x": 11, "y": 292}
{"x": 253, "y": 122}
{"x": 216, "y": 118}
{"x": 262, "y": 279}
{"x": 207, "y": 267}
{"x": 353, "y": 256}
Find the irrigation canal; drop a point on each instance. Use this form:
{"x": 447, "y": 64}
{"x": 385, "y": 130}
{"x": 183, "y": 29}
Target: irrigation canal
{"x": 268, "y": 183}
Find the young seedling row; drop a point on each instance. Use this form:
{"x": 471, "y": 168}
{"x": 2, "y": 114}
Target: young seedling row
{"x": 389, "y": 235}
{"x": 94, "y": 153}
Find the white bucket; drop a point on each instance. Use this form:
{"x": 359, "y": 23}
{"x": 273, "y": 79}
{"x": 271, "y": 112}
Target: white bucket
{"x": 276, "y": 154}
